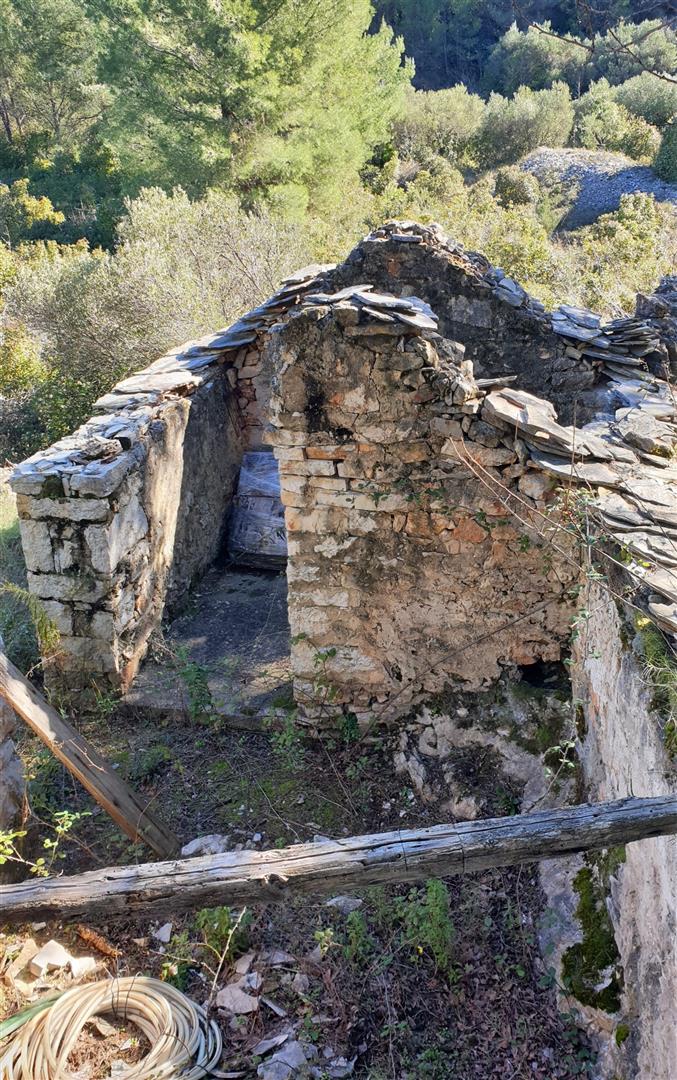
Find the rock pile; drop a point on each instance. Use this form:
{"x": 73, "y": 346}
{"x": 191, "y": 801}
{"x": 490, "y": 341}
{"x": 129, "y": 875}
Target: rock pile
{"x": 614, "y": 347}
{"x": 628, "y": 461}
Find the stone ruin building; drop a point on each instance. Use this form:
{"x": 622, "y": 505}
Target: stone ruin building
{"x": 453, "y": 460}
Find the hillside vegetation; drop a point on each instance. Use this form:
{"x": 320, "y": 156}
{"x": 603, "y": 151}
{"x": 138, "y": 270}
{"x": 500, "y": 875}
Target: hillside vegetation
{"x": 163, "y": 165}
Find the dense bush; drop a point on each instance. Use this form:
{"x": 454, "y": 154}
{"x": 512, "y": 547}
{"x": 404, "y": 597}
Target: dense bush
{"x": 440, "y": 123}
{"x": 666, "y": 159}
{"x": 631, "y": 48}
{"x": 511, "y": 127}
{"x": 654, "y": 99}
{"x": 181, "y": 268}
{"x": 514, "y": 187}
{"x": 535, "y": 58}
{"x": 602, "y": 123}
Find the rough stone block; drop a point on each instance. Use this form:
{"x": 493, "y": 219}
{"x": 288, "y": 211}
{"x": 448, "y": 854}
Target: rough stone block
{"x": 335, "y": 452}
{"x": 37, "y": 545}
{"x": 308, "y": 468}
{"x": 83, "y": 587}
{"x": 110, "y": 543}
{"x": 60, "y": 615}
{"x": 63, "y": 509}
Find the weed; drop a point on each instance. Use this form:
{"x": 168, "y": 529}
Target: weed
{"x": 221, "y": 932}
{"x": 426, "y": 923}
{"x": 286, "y": 737}
{"x": 359, "y": 945}
{"x": 194, "y": 677}
{"x": 325, "y": 939}
{"x": 661, "y": 668}
{"x": 150, "y": 762}
{"x": 63, "y": 823}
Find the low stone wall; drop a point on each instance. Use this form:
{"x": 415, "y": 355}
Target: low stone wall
{"x": 622, "y": 752}
{"x": 415, "y": 519}
{"x": 119, "y": 519}
{"x": 111, "y": 535}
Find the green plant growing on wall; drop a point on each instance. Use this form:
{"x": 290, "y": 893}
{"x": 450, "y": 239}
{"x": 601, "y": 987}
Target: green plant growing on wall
{"x": 661, "y": 670}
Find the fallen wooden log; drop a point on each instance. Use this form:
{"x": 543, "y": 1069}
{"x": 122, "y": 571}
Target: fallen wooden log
{"x": 406, "y": 855}
{"x": 84, "y": 762}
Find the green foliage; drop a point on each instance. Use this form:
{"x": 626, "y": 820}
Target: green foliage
{"x": 359, "y": 944}
{"x": 20, "y": 365}
{"x": 181, "y": 267}
{"x": 442, "y": 124}
{"x": 150, "y": 762}
{"x": 511, "y": 127}
{"x": 655, "y": 100}
{"x": 626, "y": 252}
{"x": 48, "y": 59}
{"x": 22, "y": 213}
{"x": 426, "y": 926}
{"x": 630, "y": 48}
{"x": 514, "y": 187}
{"x": 661, "y": 670}
{"x": 603, "y": 123}
{"x": 282, "y": 102}
{"x": 225, "y": 933}
{"x": 62, "y": 824}
{"x": 535, "y": 58}
{"x": 621, "y": 1033}
{"x": 195, "y": 679}
{"x": 595, "y": 959}
{"x": 666, "y": 159}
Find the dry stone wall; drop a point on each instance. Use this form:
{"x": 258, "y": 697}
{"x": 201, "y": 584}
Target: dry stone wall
{"x": 120, "y": 518}
{"x": 622, "y": 752}
{"x": 415, "y": 518}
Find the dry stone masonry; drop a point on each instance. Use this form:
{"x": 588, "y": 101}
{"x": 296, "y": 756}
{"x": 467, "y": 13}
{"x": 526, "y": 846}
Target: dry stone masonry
{"x": 456, "y": 465}
{"x": 422, "y": 451}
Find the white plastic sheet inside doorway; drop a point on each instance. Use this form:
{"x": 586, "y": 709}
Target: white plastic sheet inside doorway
{"x": 257, "y": 535}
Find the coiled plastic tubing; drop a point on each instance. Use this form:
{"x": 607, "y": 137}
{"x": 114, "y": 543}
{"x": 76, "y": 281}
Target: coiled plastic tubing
{"x": 185, "y": 1043}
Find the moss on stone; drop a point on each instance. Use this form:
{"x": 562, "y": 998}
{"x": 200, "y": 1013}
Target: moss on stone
{"x": 584, "y": 964}
{"x": 621, "y": 1033}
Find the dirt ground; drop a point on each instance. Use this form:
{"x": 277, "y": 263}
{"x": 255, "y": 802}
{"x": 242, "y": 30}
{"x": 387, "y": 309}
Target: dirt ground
{"x": 443, "y": 981}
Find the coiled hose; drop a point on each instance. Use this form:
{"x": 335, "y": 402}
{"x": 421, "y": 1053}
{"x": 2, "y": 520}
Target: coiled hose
{"x": 184, "y": 1043}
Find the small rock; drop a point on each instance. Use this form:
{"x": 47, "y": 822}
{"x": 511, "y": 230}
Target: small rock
{"x": 38, "y": 926}
{"x": 270, "y": 1043}
{"x": 277, "y": 957}
{"x": 257, "y": 838}
{"x": 49, "y": 958}
{"x": 244, "y": 962}
{"x": 212, "y": 844}
{"x": 142, "y": 942}
{"x": 164, "y": 933}
{"x": 300, "y": 983}
{"x": 273, "y": 1006}
{"x": 253, "y": 981}
{"x": 285, "y": 1063}
{"x": 234, "y": 999}
{"x": 344, "y": 904}
{"x": 81, "y": 966}
{"x": 103, "y": 1027}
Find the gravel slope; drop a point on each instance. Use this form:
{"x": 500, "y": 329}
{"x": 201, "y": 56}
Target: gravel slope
{"x": 603, "y": 177}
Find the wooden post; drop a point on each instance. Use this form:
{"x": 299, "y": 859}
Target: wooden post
{"x": 84, "y": 762}
{"x": 408, "y": 855}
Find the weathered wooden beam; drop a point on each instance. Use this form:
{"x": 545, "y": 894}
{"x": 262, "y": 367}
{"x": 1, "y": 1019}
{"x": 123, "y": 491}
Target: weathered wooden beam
{"x": 84, "y": 762}
{"x": 406, "y": 855}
